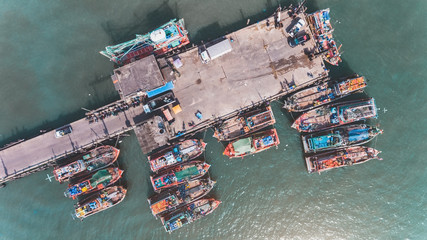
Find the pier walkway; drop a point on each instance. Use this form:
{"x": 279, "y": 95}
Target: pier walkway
{"x": 43, "y": 150}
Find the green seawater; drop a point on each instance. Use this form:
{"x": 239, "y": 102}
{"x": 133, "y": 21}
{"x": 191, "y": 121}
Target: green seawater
{"x": 50, "y": 68}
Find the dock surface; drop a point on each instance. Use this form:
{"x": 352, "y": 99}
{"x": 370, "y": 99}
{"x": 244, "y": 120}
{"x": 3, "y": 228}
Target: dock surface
{"x": 261, "y": 65}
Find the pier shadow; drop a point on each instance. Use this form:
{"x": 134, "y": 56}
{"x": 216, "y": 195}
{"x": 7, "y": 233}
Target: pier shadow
{"x": 215, "y": 30}
{"x": 139, "y": 24}
{"x": 4, "y": 168}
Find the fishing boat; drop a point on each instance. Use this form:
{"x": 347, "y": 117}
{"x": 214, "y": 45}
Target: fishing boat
{"x": 176, "y": 154}
{"x": 345, "y": 136}
{"x": 99, "y": 201}
{"x": 101, "y": 179}
{"x": 166, "y": 38}
{"x": 245, "y": 123}
{"x": 340, "y": 158}
{"x": 253, "y": 144}
{"x": 334, "y": 115}
{"x": 189, "y": 214}
{"x": 320, "y": 25}
{"x": 181, "y": 195}
{"x": 324, "y": 93}
{"x": 92, "y": 161}
{"x": 179, "y": 174}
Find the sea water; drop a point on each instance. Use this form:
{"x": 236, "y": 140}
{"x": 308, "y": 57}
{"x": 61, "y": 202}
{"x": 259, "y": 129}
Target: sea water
{"x": 50, "y": 68}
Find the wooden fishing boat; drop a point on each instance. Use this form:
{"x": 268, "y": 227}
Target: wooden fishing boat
{"x": 334, "y": 115}
{"x": 320, "y": 25}
{"x": 245, "y": 123}
{"x": 324, "y": 93}
{"x": 253, "y": 144}
{"x": 179, "y": 196}
{"x": 179, "y": 174}
{"x": 164, "y": 39}
{"x": 101, "y": 179}
{"x": 91, "y": 161}
{"x": 99, "y": 201}
{"x": 189, "y": 214}
{"x": 340, "y": 158}
{"x": 176, "y": 154}
{"x": 341, "y": 137}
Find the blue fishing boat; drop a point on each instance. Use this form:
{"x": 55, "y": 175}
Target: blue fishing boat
{"x": 339, "y": 138}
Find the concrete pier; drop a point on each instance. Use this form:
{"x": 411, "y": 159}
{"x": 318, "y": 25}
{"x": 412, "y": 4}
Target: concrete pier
{"x": 261, "y": 67}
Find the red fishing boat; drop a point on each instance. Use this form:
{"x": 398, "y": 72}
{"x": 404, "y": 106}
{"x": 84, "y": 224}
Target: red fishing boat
{"x": 253, "y": 144}
{"x": 179, "y": 174}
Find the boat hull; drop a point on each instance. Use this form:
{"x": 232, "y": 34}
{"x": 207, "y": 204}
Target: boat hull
{"x": 245, "y": 124}
{"x": 179, "y": 174}
{"x": 188, "y": 214}
{"x": 177, "y": 154}
{"x": 340, "y": 158}
{"x": 323, "y": 94}
{"x": 234, "y": 149}
{"x": 92, "y": 161}
{"x": 85, "y": 186}
{"x": 111, "y": 195}
{"x": 161, "y": 204}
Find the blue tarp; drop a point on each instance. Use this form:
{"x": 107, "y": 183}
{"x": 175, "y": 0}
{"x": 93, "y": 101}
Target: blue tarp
{"x": 358, "y": 135}
{"x": 168, "y": 86}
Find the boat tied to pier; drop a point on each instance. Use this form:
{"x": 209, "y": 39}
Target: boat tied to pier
{"x": 179, "y": 196}
{"x": 179, "y": 174}
{"x": 179, "y": 153}
{"x": 245, "y": 123}
{"x": 334, "y": 115}
{"x": 340, "y": 158}
{"x": 321, "y": 27}
{"x": 101, "y": 179}
{"x": 324, "y": 93}
{"x": 99, "y": 201}
{"x": 256, "y": 143}
{"x": 92, "y": 161}
{"x": 170, "y": 36}
{"x": 189, "y": 214}
{"x": 345, "y": 136}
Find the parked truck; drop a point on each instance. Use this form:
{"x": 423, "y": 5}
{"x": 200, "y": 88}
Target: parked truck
{"x": 220, "y": 47}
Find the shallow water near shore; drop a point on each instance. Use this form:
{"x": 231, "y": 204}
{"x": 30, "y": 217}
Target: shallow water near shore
{"x": 51, "y": 68}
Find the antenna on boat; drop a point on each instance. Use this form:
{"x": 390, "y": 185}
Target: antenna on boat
{"x": 49, "y": 177}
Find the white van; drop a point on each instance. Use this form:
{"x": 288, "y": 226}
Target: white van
{"x": 216, "y": 50}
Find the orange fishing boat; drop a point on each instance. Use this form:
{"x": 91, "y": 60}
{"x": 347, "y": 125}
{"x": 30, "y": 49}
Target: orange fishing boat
{"x": 256, "y": 143}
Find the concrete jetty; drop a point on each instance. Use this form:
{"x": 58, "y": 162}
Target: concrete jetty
{"x": 261, "y": 67}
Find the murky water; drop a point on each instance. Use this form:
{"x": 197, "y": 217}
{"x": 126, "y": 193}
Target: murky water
{"x": 50, "y": 68}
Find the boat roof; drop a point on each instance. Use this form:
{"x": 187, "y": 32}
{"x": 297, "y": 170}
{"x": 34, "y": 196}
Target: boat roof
{"x": 242, "y": 146}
